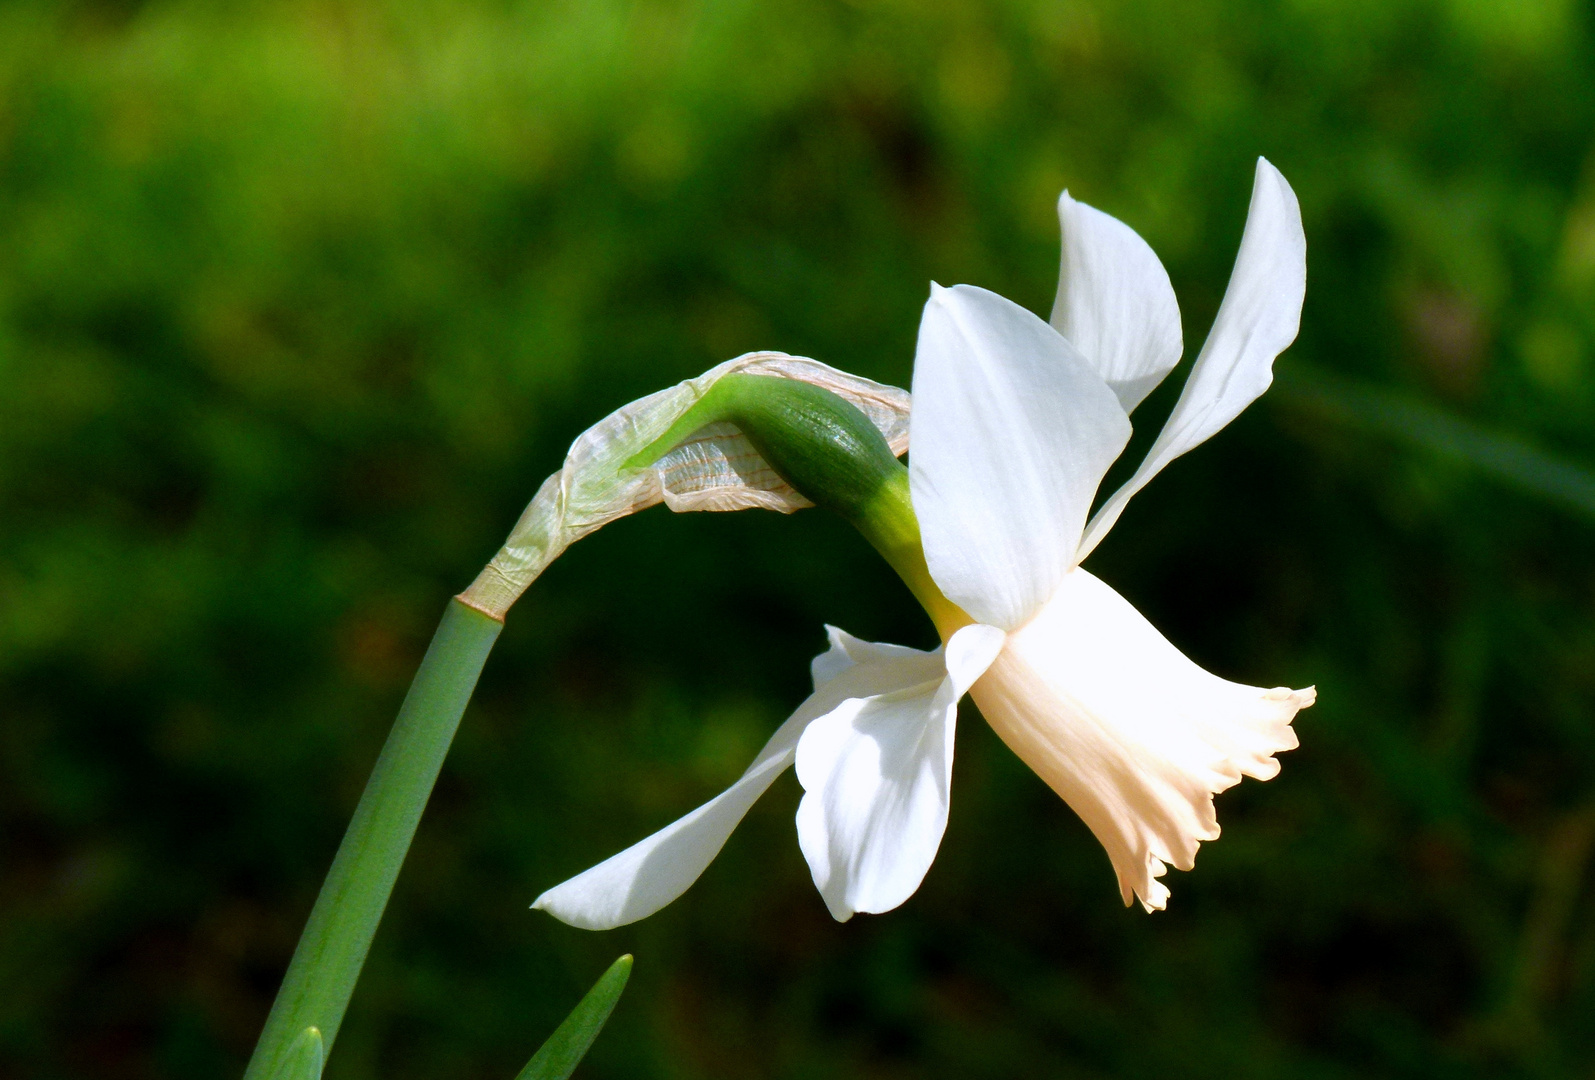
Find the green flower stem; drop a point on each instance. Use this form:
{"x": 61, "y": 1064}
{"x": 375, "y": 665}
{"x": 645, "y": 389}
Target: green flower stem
{"x": 888, "y": 522}
{"x": 828, "y": 450}
{"x": 333, "y": 947}
{"x": 818, "y": 442}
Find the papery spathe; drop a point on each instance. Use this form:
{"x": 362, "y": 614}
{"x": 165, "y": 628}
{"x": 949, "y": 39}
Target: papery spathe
{"x": 716, "y": 469}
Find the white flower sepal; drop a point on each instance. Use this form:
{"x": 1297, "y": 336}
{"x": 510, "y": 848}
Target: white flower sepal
{"x": 1015, "y": 424}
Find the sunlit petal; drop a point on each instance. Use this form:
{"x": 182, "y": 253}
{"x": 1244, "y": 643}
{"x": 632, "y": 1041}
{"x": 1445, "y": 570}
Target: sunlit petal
{"x": 653, "y": 872}
{"x": 1115, "y": 303}
{"x": 1010, "y": 436}
{"x": 1134, "y": 736}
{"x": 877, "y": 775}
{"x": 1256, "y": 322}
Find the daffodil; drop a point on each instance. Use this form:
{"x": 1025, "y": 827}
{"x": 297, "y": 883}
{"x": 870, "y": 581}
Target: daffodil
{"x": 1014, "y": 423}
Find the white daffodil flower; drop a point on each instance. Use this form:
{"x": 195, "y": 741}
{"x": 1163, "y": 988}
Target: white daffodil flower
{"x": 1015, "y": 422}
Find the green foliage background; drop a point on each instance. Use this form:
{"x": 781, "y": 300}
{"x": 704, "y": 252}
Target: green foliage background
{"x": 300, "y": 301}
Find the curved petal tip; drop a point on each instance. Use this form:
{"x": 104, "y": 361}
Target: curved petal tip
{"x": 877, "y": 774}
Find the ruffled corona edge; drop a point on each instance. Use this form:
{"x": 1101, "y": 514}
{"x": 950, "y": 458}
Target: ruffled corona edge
{"x": 1135, "y": 737}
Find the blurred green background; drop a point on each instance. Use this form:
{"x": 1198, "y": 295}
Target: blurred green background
{"x": 300, "y": 301}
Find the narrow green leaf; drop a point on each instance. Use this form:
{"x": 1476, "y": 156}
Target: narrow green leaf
{"x": 304, "y": 1058}
{"x": 563, "y": 1051}
{"x": 332, "y": 950}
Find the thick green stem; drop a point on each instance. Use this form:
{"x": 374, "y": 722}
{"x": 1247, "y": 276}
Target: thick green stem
{"x": 888, "y": 522}
{"x": 818, "y": 442}
{"x": 333, "y": 947}
{"x": 828, "y": 450}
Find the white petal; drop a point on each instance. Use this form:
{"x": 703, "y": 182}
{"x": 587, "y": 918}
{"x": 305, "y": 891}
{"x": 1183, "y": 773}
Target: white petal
{"x": 653, "y": 872}
{"x": 1115, "y": 303}
{"x": 1256, "y": 322}
{"x": 1011, "y": 434}
{"x": 1134, "y": 736}
{"x": 715, "y": 469}
{"x": 848, "y": 651}
{"x": 876, "y": 773}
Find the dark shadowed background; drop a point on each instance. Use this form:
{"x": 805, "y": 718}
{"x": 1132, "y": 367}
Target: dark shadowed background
{"x": 300, "y": 301}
